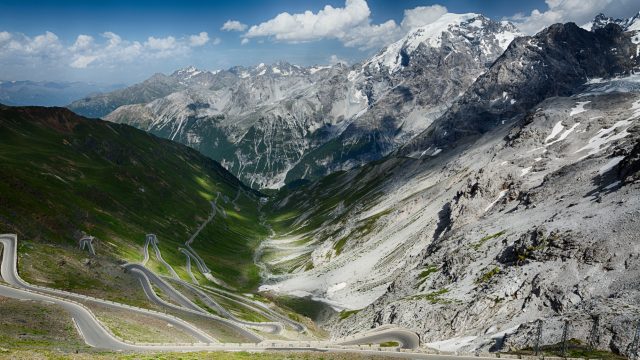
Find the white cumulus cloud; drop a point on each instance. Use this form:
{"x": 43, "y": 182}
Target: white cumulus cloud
{"x": 422, "y": 15}
{"x": 372, "y": 36}
{"x": 83, "y": 42}
{"x": 47, "y": 51}
{"x": 161, "y": 44}
{"x": 233, "y": 25}
{"x": 578, "y": 11}
{"x": 351, "y": 25}
{"x": 199, "y": 40}
{"x": 4, "y": 36}
{"x": 82, "y": 61}
{"x": 16, "y": 46}
{"x": 329, "y": 22}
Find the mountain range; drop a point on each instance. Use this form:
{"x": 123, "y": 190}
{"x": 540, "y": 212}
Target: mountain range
{"x": 274, "y": 124}
{"x": 327, "y": 118}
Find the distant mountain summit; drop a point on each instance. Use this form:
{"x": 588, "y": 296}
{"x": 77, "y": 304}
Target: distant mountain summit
{"x": 278, "y": 69}
{"x": 157, "y": 86}
{"x": 601, "y": 20}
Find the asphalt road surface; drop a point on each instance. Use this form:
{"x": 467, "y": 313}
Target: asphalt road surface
{"x": 95, "y": 334}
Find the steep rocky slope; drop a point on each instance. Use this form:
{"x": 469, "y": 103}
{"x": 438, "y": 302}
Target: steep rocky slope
{"x": 533, "y": 220}
{"x": 518, "y": 204}
{"x": 256, "y": 121}
{"x": 601, "y": 20}
{"x": 328, "y": 118}
{"x": 409, "y": 84}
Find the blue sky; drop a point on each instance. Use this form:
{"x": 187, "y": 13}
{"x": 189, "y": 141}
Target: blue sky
{"x": 127, "y": 41}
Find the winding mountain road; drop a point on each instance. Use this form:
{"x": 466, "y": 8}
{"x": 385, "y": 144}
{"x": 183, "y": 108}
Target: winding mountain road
{"x": 96, "y": 335}
{"x": 154, "y": 243}
{"x": 92, "y": 330}
{"x": 147, "y": 276}
{"x": 87, "y": 242}
{"x": 271, "y": 327}
{"x": 164, "y": 286}
{"x": 408, "y": 339}
{"x": 193, "y": 278}
{"x": 204, "y": 270}
{"x": 264, "y": 309}
{"x": 201, "y": 265}
{"x": 145, "y": 250}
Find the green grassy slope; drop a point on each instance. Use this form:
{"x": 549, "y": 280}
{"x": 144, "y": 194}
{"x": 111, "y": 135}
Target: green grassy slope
{"x": 319, "y": 211}
{"x": 61, "y": 173}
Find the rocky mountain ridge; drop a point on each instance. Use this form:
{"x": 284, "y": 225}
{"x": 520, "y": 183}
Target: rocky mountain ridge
{"x": 554, "y": 62}
{"x": 155, "y": 87}
{"x": 408, "y": 85}
{"x": 329, "y": 118}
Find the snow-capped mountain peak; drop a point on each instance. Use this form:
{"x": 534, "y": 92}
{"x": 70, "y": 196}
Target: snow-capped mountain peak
{"x": 187, "y": 72}
{"x": 489, "y": 36}
{"x": 277, "y": 69}
{"x": 633, "y": 24}
{"x": 191, "y": 75}
{"x": 601, "y": 20}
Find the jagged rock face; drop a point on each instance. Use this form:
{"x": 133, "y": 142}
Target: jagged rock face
{"x": 328, "y": 118}
{"x": 629, "y": 169}
{"x": 555, "y": 62}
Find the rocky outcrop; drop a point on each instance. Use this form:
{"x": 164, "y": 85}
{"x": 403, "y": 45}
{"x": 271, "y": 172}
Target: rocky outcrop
{"x": 629, "y": 167}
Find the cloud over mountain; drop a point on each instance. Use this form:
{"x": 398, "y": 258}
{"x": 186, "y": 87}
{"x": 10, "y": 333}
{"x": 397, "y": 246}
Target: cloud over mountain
{"x": 578, "y": 11}
{"x": 234, "y": 25}
{"x": 86, "y": 51}
{"x": 351, "y": 25}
